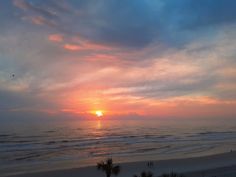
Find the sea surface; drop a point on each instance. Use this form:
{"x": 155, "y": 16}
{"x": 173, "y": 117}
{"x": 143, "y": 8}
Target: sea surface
{"x": 48, "y": 145}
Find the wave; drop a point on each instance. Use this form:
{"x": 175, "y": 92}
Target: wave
{"x": 87, "y": 143}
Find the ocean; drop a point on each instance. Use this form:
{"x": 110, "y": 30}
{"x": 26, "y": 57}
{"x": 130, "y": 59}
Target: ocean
{"x": 48, "y": 145}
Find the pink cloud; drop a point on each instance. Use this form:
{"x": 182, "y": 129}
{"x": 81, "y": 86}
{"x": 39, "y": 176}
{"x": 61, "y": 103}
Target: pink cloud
{"x": 73, "y": 47}
{"x": 39, "y": 20}
{"x": 84, "y": 46}
{"x": 56, "y": 37}
{"x": 102, "y": 57}
{"x": 95, "y": 46}
{"x": 21, "y": 4}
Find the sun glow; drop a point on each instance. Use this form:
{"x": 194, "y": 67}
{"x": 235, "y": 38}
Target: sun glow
{"x": 99, "y": 113}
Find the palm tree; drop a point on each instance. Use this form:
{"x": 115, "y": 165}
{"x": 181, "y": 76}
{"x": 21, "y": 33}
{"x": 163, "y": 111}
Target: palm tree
{"x": 108, "y": 167}
{"x": 145, "y": 174}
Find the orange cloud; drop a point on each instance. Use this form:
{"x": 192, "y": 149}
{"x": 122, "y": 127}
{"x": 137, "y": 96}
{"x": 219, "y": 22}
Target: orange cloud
{"x": 95, "y": 46}
{"x": 73, "y": 47}
{"x": 82, "y": 46}
{"x": 102, "y": 57}
{"x": 87, "y": 44}
{"x": 55, "y": 37}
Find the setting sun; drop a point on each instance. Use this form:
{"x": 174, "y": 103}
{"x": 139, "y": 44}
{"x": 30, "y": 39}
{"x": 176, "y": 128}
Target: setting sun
{"x": 99, "y": 113}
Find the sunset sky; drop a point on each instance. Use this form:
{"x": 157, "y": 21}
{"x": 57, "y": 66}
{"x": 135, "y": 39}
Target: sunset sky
{"x": 136, "y": 58}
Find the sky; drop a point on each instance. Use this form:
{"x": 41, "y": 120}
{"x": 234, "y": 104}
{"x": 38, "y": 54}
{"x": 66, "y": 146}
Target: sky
{"x": 136, "y": 58}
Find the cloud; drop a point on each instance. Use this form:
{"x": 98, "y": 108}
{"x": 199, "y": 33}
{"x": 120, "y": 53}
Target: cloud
{"x": 22, "y": 101}
{"x": 27, "y": 5}
{"x": 164, "y": 57}
{"x": 205, "y": 13}
{"x": 39, "y": 20}
{"x": 72, "y": 47}
{"x": 21, "y": 4}
{"x": 82, "y": 44}
{"x": 56, "y": 37}
{"x": 136, "y": 24}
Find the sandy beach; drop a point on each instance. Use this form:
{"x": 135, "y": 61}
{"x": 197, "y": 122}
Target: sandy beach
{"x": 215, "y": 165}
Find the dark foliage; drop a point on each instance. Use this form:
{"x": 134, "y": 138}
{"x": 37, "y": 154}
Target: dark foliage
{"x": 145, "y": 174}
{"x": 108, "y": 167}
{"x": 172, "y": 175}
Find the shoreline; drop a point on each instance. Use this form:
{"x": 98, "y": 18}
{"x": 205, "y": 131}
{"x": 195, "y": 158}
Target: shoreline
{"x": 190, "y": 166}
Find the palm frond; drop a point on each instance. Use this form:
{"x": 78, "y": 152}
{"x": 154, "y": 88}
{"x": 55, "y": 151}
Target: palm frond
{"x": 109, "y": 161}
{"x": 100, "y": 165}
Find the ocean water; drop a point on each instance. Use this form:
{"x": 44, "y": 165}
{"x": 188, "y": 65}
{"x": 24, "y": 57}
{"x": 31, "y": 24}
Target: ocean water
{"x": 29, "y": 147}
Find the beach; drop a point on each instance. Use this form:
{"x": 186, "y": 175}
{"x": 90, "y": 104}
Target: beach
{"x": 219, "y": 165}
{"x": 50, "y": 146}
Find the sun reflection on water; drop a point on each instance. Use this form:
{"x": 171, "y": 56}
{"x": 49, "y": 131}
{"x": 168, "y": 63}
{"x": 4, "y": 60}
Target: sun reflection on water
{"x": 99, "y": 124}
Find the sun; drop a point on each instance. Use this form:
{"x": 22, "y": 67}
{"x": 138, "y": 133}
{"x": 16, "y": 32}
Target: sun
{"x": 99, "y": 113}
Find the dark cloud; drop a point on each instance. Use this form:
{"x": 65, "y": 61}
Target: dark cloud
{"x": 135, "y": 23}
{"x": 22, "y": 101}
{"x": 202, "y": 13}
{"x": 35, "y": 8}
